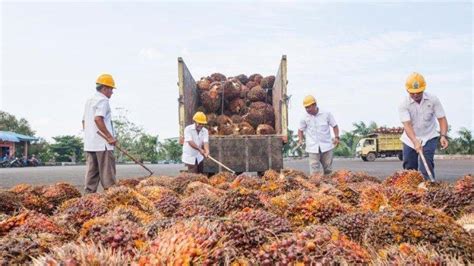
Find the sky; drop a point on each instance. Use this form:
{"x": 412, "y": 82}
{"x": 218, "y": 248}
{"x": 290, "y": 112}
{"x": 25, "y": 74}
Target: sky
{"x": 354, "y": 57}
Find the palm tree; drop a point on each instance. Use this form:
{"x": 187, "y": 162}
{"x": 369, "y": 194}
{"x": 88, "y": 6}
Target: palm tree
{"x": 361, "y": 129}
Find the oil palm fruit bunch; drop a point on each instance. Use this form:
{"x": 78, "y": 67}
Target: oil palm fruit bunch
{"x": 373, "y": 198}
{"x": 242, "y": 78}
{"x": 353, "y": 225}
{"x": 406, "y": 179}
{"x": 30, "y": 222}
{"x": 257, "y": 94}
{"x": 197, "y": 205}
{"x": 9, "y": 202}
{"x": 317, "y": 209}
{"x": 204, "y": 83}
{"x": 221, "y": 177}
{"x": 82, "y": 253}
{"x": 164, "y": 181}
{"x": 185, "y": 243}
{"x": 238, "y": 199}
{"x": 32, "y": 198}
{"x": 129, "y": 182}
{"x": 18, "y": 250}
{"x": 231, "y": 89}
{"x": 237, "y": 106}
{"x": 75, "y": 212}
{"x": 267, "y": 82}
{"x": 405, "y": 254}
{"x": 117, "y": 196}
{"x": 165, "y": 200}
{"x": 257, "y": 78}
{"x": 246, "y": 181}
{"x": 158, "y": 225}
{"x": 419, "y": 225}
{"x": 179, "y": 183}
{"x": 314, "y": 244}
{"x": 399, "y": 197}
{"x": 115, "y": 233}
{"x": 218, "y": 77}
{"x": 263, "y": 220}
{"x": 132, "y": 214}
{"x": 59, "y": 193}
{"x": 202, "y": 189}
{"x": 265, "y": 129}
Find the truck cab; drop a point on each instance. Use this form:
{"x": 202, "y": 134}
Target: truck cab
{"x": 366, "y": 149}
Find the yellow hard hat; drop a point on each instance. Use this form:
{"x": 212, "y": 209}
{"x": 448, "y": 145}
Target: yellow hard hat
{"x": 415, "y": 83}
{"x": 107, "y": 80}
{"x": 200, "y": 117}
{"x": 308, "y": 100}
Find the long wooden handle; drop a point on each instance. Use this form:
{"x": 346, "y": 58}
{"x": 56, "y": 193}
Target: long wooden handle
{"x": 423, "y": 159}
{"x": 126, "y": 153}
{"x": 426, "y": 166}
{"x": 221, "y": 164}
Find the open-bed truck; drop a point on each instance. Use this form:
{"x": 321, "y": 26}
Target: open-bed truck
{"x": 241, "y": 153}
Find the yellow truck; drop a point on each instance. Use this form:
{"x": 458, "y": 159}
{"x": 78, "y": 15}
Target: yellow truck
{"x": 380, "y": 145}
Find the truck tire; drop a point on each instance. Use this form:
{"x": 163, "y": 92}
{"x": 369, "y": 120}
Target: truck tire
{"x": 371, "y": 157}
{"x": 400, "y": 156}
{"x": 364, "y": 158}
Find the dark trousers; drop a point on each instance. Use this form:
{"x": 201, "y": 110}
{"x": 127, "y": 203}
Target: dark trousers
{"x": 197, "y": 168}
{"x": 412, "y": 160}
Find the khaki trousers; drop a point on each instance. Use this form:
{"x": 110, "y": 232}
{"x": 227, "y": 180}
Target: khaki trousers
{"x": 318, "y": 159}
{"x": 100, "y": 168}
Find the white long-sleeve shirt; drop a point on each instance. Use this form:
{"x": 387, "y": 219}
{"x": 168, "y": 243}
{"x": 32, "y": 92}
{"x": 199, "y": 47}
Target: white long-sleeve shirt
{"x": 190, "y": 155}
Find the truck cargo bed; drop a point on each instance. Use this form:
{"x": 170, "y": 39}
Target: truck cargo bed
{"x": 242, "y": 153}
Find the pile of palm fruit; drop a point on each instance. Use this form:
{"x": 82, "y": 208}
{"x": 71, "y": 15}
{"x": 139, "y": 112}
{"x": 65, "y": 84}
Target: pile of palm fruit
{"x": 284, "y": 218}
{"x": 240, "y": 105}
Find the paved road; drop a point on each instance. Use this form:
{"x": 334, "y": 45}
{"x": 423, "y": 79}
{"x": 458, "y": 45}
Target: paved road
{"x": 447, "y": 170}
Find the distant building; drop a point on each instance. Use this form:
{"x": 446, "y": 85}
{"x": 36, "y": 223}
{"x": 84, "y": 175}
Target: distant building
{"x": 8, "y": 140}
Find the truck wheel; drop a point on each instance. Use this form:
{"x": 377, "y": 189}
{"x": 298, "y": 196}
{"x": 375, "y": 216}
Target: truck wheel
{"x": 363, "y": 158}
{"x": 371, "y": 157}
{"x": 400, "y": 156}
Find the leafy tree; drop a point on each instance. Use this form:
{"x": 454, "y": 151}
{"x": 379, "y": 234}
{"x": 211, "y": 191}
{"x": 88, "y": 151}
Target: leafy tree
{"x": 41, "y": 149}
{"x": 343, "y": 150}
{"x": 9, "y": 122}
{"x": 126, "y": 133}
{"x": 466, "y": 142}
{"x": 170, "y": 150}
{"x": 145, "y": 148}
{"x": 362, "y": 130}
{"x": 67, "y": 148}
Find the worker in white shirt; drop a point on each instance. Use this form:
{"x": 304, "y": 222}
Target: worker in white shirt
{"x": 196, "y": 144}
{"x": 315, "y": 128}
{"x": 419, "y": 112}
{"x": 100, "y": 160}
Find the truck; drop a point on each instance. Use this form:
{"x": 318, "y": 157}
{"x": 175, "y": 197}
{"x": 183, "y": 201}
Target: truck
{"x": 241, "y": 153}
{"x": 380, "y": 145}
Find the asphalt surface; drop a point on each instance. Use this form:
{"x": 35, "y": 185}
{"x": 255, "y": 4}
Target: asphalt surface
{"x": 446, "y": 170}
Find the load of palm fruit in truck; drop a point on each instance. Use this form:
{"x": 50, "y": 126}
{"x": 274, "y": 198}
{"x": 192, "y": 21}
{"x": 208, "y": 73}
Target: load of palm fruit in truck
{"x": 284, "y": 217}
{"x": 237, "y": 105}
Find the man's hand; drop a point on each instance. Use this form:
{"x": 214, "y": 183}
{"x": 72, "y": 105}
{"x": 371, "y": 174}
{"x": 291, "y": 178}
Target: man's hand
{"x": 336, "y": 141}
{"x": 418, "y": 146}
{"x": 204, "y": 152}
{"x": 300, "y": 142}
{"x": 111, "y": 141}
{"x": 444, "y": 142}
